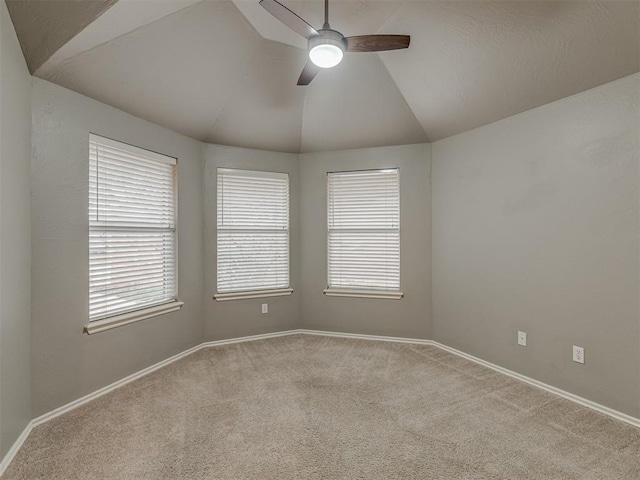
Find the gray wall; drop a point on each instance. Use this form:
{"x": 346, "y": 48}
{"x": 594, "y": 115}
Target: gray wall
{"x": 237, "y": 318}
{"x": 15, "y": 236}
{"x": 66, "y": 363}
{"x": 535, "y": 228}
{"x": 408, "y": 317}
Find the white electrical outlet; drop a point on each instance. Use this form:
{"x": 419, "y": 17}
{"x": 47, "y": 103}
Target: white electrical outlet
{"x": 522, "y": 338}
{"x": 578, "y": 354}
{"x": 265, "y": 308}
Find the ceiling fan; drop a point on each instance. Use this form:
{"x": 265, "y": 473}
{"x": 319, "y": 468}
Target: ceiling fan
{"x": 326, "y": 46}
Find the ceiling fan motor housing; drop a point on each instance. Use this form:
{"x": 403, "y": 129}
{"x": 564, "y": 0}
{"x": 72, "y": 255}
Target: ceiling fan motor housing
{"x": 328, "y": 36}
{"x": 326, "y": 47}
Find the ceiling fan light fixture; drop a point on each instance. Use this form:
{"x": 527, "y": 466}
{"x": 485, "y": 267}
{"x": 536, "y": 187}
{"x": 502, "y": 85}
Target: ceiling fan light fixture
{"x": 326, "y": 46}
{"x": 326, "y": 56}
{"x": 326, "y": 50}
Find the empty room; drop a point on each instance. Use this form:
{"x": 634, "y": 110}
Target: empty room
{"x": 319, "y": 239}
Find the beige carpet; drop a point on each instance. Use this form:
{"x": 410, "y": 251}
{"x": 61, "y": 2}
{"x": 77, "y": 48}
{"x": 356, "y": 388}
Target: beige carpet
{"x": 306, "y": 407}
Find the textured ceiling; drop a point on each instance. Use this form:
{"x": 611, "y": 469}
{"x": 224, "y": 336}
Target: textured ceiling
{"x": 477, "y": 62}
{"x": 225, "y": 71}
{"x": 44, "y": 26}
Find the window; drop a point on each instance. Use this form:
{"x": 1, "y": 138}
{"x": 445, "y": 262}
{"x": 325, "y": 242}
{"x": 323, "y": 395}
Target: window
{"x": 253, "y": 234}
{"x": 364, "y": 233}
{"x": 132, "y": 234}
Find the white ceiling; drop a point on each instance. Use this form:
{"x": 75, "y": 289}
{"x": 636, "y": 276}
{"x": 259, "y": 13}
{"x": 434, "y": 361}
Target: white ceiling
{"x": 225, "y": 71}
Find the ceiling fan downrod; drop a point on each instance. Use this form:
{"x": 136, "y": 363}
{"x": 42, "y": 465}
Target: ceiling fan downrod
{"x": 326, "y": 46}
{"x": 326, "y": 25}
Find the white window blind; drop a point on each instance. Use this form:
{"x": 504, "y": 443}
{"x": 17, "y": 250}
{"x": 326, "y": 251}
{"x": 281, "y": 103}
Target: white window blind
{"x": 253, "y": 230}
{"x": 364, "y": 230}
{"x": 132, "y": 228}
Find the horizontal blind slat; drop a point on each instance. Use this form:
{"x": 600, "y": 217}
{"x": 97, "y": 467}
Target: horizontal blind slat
{"x": 253, "y": 230}
{"x": 131, "y": 229}
{"x": 363, "y": 218}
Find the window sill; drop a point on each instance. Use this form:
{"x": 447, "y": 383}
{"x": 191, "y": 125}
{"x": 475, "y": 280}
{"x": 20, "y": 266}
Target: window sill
{"x": 131, "y": 317}
{"x": 281, "y": 292}
{"x": 336, "y": 292}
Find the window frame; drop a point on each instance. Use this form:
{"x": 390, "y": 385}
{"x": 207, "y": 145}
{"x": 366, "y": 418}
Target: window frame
{"x": 364, "y": 292}
{"x": 263, "y": 292}
{"x": 135, "y": 314}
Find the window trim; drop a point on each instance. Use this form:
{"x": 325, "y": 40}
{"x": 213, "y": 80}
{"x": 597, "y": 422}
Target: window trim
{"x": 167, "y": 306}
{"x": 109, "y": 142}
{"x": 114, "y": 321}
{"x": 247, "y": 294}
{"x": 345, "y": 292}
{"x": 364, "y": 292}
{"x": 262, "y": 293}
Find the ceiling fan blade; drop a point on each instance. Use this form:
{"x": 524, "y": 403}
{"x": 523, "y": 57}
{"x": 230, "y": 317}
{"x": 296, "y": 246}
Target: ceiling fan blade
{"x": 377, "y": 43}
{"x": 309, "y": 72}
{"x": 290, "y": 19}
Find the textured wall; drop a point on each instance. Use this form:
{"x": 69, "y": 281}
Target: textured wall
{"x": 408, "y": 317}
{"x": 237, "y": 318}
{"x": 66, "y": 363}
{"x": 535, "y": 228}
{"x": 15, "y": 231}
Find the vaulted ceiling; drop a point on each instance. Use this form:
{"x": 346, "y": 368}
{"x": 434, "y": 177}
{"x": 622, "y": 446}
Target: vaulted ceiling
{"x": 225, "y": 71}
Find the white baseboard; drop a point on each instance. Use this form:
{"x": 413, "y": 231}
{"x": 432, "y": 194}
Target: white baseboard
{"x": 250, "y": 338}
{"x": 104, "y": 390}
{"x": 15, "y": 447}
{"x": 544, "y": 386}
{"x": 379, "y": 338}
{"x": 98, "y": 393}
{"x": 82, "y": 400}
{"x": 523, "y": 378}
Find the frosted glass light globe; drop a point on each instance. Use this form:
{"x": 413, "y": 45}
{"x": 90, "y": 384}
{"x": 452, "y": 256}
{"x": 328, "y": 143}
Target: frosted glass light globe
{"x": 326, "y": 55}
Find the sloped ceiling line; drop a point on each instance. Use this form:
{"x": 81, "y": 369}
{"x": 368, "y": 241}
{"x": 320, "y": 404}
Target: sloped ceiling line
{"x": 473, "y": 63}
{"x": 277, "y": 123}
{"x": 43, "y": 27}
{"x": 388, "y": 73}
{"x": 232, "y": 93}
{"x": 124, "y": 17}
{"x": 206, "y": 72}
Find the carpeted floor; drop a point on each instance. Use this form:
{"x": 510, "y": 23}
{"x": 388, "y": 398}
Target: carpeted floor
{"x": 308, "y": 407}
